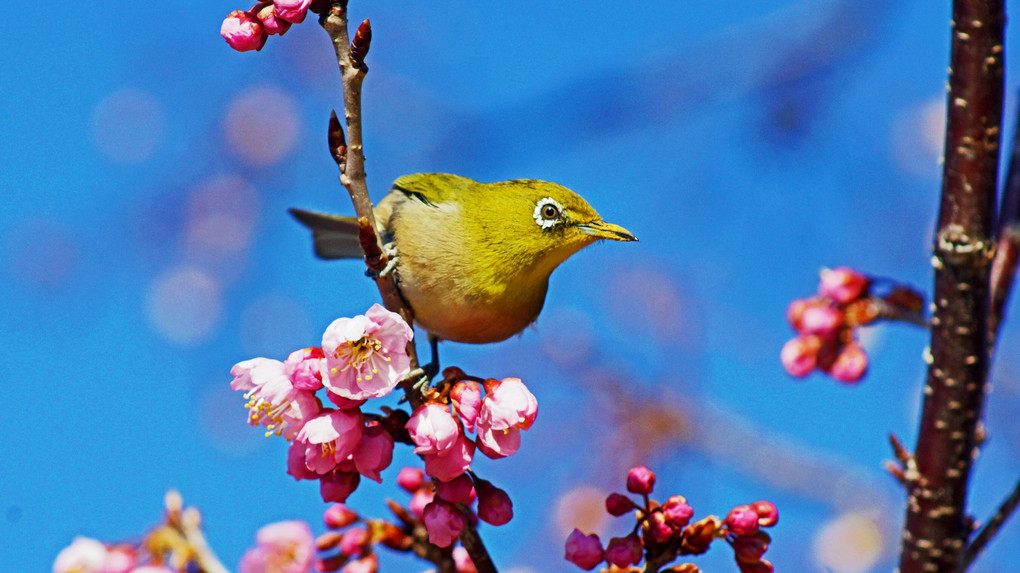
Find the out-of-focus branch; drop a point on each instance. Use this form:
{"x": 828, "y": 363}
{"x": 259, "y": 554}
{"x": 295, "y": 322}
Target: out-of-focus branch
{"x": 936, "y": 528}
{"x": 1008, "y": 250}
{"x": 350, "y": 156}
{"x": 990, "y": 529}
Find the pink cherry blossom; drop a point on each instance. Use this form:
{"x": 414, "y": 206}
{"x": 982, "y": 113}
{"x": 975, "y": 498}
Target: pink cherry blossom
{"x": 851, "y": 363}
{"x": 820, "y": 319}
{"x": 293, "y": 11}
{"x": 494, "y": 505}
{"x": 121, "y": 559}
{"x": 273, "y": 25}
{"x": 83, "y": 555}
{"x": 585, "y": 551}
{"x": 462, "y": 561}
{"x": 842, "y": 284}
{"x": 657, "y": 526}
{"x": 296, "y": 461}
{"x": 273, "y": 401}
{"x": 282, "y": 547}
{"x": 458, "y": 490}
{"x": 466, "y": 397}
{"x": 507, "y": 408}
{"x": 366, "y": 564}
{"x": 768, "y": 515}
{"x": 410, "y": 479}
{"x": 800, "y": 355}
{"x": 303, "y": 367}
{"x": 355, "y": 541}
{"x": 331, "y": 437}
{"x": 366, "y": 356}
{"x": 443, "y": 521}
{"x": 243, "y": 31}
{"x": 624, "y": 551}
{"x": 452, "y": 463}
{"x": 338, "y": 516}
{"x": 420, "y": 500}
{"x": 676, "y": 511}
{"x": 338, "y": 485}
{"x": 433, "y": 429}
{"x": 640, "y": 480}
{"x": 742, "y": 520}
{"x": 374, "y": 452}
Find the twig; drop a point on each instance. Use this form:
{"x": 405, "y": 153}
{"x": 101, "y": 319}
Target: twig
{"x": 990, "y": 529}
{"x": 1008, "y": 252}
{"x": 935, "y": 527}
{"x": 476, "y": 549}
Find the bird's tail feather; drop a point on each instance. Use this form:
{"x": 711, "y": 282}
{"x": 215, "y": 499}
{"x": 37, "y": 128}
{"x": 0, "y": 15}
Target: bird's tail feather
{"x": 333, "y": 237}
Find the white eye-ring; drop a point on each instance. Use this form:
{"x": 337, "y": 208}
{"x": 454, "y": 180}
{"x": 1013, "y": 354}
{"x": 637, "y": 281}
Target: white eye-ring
{"x": 548, "y": 212}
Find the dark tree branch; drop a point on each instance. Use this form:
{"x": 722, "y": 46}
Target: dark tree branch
{"x": 1008, "y": 252}
{"x": 936, "y": 528}
{"x": 990, "y": 529}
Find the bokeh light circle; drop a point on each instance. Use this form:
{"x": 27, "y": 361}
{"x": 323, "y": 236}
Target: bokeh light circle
{"x": 262, "y": 125}
{"x": 184, "y": 305}
{"x": 127, "y": 125}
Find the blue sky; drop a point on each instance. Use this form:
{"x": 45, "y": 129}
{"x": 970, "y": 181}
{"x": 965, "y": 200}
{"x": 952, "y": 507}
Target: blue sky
{"x": 145, "y": 248}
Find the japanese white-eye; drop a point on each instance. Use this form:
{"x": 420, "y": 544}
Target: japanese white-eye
{"x": 474, "y": 259}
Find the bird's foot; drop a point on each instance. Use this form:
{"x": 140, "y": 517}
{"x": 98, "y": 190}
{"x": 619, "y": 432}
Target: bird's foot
{"x": 390, "y": 250}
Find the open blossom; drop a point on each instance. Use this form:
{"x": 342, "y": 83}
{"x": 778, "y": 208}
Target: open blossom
{"x": 273, "y": 401}
{"x": 243, "y": 31}
{"x": 329, "y": 438}
{"x": 585, "y": 551}
{"x": 303, "y": 367}
{"x": 433, "y": 429}
{"x": 366, "y": 355}
{"x": 443, "y": 521}
{"x": 507, "y": 408}
{"x": 282, "y": 547}
{"x": 83, "y": 555}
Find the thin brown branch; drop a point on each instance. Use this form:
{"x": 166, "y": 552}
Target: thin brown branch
{"x": 1006, "y": 509}
{"x": 476, "y": 549}
{"x": 936, "y": 530}
{"x": 1008, "y": 252}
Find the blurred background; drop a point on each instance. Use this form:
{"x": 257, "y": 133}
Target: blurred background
{"x": 145, "y": 248}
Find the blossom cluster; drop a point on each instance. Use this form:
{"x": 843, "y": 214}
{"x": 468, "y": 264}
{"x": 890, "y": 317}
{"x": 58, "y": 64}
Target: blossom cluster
{"x": 825, "y": 325}
{"x": 665, "y": 531}
{"x": 247, "y": 30}
{"x": 87, "y": 555}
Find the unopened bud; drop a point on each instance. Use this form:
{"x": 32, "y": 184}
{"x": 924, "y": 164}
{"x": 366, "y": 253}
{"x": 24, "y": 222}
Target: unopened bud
{"x": 618, "y": 504}
{"x": 842, "y": 284}
{"x": 640, "y": 480}
{"x": 624, "y": 551}
{"x": 851, "y": 363}
{"x": 338, "y": 516}
{"x": 243, "y": 31}
{"x": 742, "y": 520}
{"x": 768, "y": 515}
{"x": 750, "y": 548}
{"x": 700, "y": 534}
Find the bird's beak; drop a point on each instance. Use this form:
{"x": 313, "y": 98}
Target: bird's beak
{"x": 604, "y": 230}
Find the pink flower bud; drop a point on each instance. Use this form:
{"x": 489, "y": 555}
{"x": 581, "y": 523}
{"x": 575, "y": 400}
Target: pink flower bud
{"x": 494, "y": 505}
{"x": 433, "y": 429}
{"x": 820, "y": 319}
{"x": 420, "y": 500}
{"x": 337, "y": 485}
{"x": 851, "y": 363}
{"x": 676, "y": 511}
{"x": 755, "y": 567}
{"x": 303, "y": 366}
{"x": 458, "y": 490}
{"x": 367, "y": 564}
{"x": 618, "y": 504}
{"x": 453, "y": 463}
{"x": 338, "y": 516}
{"x": 660, "y": 531}
{"x": 462, "y": 561}
{"x": 795, "y": 311}
{"x": 293, "y": 11}
{"x": 466, "y": 397}
{"x": 443, "y": 521}
{"x": 842, "y": 284}
{"x": 410, "y": 479}
{"x": 585, "y": 551}
{"x": 742, "y": 520}
{"x": 355, "y": 541}
{"x": 768, "y": 515}
{"x": 243, "y": 31}
{"x": 750, "y": 548}
{"x": 267, "y": 16}
{"x": 800, "y": 355}
{"x": 640, "y": 480}
{"x": 374, "y": 452}
{"x": 624, "y": 551}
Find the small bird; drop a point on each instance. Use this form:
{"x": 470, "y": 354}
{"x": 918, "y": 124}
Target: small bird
{"x": 473, "y": 259}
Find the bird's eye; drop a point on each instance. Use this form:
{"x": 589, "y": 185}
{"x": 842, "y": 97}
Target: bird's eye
{"x": 548, "y": 212}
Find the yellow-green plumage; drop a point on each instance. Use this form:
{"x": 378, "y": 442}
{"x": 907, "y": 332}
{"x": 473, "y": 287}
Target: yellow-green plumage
{"x": 474, "y": 258}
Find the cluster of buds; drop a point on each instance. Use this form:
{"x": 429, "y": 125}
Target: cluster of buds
{"x": 249, "y": 30}
{"x": 664, "y": 532}
{"x": 826, "y": 324}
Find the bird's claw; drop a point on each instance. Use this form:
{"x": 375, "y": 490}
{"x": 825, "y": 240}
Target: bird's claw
{"x": 390, "y": 250}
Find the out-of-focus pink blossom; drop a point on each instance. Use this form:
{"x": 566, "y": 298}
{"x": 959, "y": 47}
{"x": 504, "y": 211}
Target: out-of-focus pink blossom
{"x": 282, "y": 547}
{"x": 458, "y": 490}
{"x": 293, "y": 11}
{"x": 366, "y": 356}
{"x": 742, "y": 520}
{"x": 640, "y": 480}
{"x": 750, "y": 548}
{"x": 338, "y": 516}
{"x": 273, "y": 401}
{"x": 768, "y": 515}
{"x": 151, "y": 569}
{"x": 466, "y": 397}
{"x": 304, "y": 368}
{"x": 120, "y": 559}
{"x": 462, "y": 561}
{"x": 618, "y": 504}
{"x": 851, "y": 363}
{"x": 660, "y": 530}
{"x": 842, "y": 284}
{"x": 585, "y": 551}
{"x": 433, "y": 429}
{"x": 676, "y": 511}
{"x": 331, "y": 436}
{"x": 624, "y": 551}
{"x": 494, "y": 505}
{"x": 443, "y": 521}
{"x": 83, "y": 555}
{"x": 367, "y": 564}
{"x": 355, "y": 541}
{"x": 454, "y": 462}
{"x": 820, "y": 319}
{"x": 374, "y": 452}
{"x": 410, "y": 479}
{"x": 267, "y": 16}
{"x": 420, "y": 499}
{"x": 243, "y": 31}
{"x": 338, "y": 485}
{"x": 800, "y": 355}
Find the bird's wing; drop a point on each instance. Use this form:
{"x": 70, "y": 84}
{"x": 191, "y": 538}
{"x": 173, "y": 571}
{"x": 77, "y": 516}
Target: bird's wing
{"x": 333, "y": 237}
{"x": 433, "y": 189}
